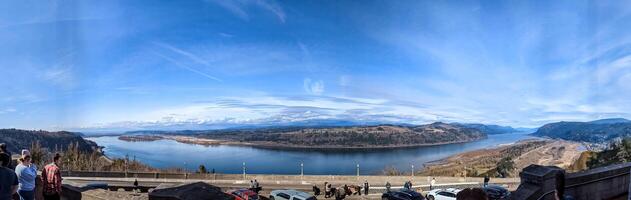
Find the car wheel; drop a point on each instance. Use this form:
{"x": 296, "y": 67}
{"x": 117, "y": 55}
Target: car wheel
{"x": 430, "y": 197}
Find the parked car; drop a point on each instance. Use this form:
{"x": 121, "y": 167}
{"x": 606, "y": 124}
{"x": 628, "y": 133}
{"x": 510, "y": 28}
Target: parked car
{"x": 443, "y": 194}
{"x": 290, "y": 195}
{"x": 496, "y": 192}
{"x": 244, "y": 194}
{"x": 402, "y": 195}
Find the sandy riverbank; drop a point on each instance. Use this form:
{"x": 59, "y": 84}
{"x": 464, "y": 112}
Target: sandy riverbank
{"x": 559, "y": 153}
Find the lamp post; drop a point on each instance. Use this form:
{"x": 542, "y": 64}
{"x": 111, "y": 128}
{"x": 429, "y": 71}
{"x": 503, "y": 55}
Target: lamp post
{"x": 357, "y": 170}
{"x": 302, "y": 169}
{"x": 412, "y": 170}
{"x": 465, "y": 172}
{"x": 243, "y": 170}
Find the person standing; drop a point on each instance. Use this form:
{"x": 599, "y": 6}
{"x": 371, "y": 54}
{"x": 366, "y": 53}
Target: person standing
{"x": 327, "y": 190}
{"x": 51, "y": 179}
{"x": 486, "y": 180}
{"x": 388, "y": 186}
{"x": 316, "y": 190}
{"x": 366, "y": 187}
{"x": 257, "y": 187}
{"x": 26, "y": 173}
{"x": 3, "y": 149}
{"x": 431, "y": 183}
{"x": 8, "y": 179}
{"x": 136, "y": 186}
{"x": 407, "y": 185}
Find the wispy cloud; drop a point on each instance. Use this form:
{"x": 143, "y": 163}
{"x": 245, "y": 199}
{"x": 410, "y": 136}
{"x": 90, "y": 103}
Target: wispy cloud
{"x": 180, "y": 65}
{"x": 7, "y": 110}
{"x": 189, "y": 56}
{"x": 239, "y": 7}
{"x": 273, "y": 7}
{"x": 313, "y": 87}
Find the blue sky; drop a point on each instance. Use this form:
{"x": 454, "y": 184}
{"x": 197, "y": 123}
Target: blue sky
{"x": 80, "y": 65}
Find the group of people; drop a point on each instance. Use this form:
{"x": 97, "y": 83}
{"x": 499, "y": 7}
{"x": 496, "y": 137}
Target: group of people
{"x": 21, "y": 178}
{"x": 330, "y": 191}
{"x": 254, "y": 186}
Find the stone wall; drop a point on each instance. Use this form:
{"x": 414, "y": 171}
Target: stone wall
{"x": 544, "y": 182}
{"x": 609, "y": 182}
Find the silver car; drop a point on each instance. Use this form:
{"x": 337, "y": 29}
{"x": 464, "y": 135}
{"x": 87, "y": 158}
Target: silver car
{"x": 290, "y": 195}
{"x": 443, "y": 194}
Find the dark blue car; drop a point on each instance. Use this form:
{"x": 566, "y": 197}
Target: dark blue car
{"x": 402, "y": 195}
{"x": 496, "y": 192}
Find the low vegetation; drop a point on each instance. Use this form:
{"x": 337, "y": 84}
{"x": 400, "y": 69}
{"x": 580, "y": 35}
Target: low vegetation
{"x": 617, "y": 152}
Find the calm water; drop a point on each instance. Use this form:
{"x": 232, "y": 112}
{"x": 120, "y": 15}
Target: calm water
{"x": 229, "y": 159}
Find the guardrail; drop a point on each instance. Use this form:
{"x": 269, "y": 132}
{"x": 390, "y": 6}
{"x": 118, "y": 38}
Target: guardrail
{"x": 310, "y": 178}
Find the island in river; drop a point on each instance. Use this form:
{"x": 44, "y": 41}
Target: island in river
{"x": 382, "y": 136}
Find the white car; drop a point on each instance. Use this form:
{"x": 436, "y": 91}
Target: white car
{"x": 443, "y": 194}
{"x": 290, "y": 195}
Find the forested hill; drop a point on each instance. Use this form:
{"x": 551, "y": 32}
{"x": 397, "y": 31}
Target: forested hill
{"x": 599, "y": 131}
{"x": 359, "y": 136}
{"x": 17, "y": 139}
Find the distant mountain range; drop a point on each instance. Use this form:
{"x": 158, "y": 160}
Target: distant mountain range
{"x": 350, "y": 136}
{"x": 16, "y": 140}
{"x": 314, "y": 123}
{"x": 492, "y": 129}
{"x": 599, "y": 131}
{"x": 487, "y": 129}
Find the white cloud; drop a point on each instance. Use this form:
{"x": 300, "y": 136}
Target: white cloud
{"x": 269, "y": 110}
{"x": 313, "y": 87}
{"x": 8, "y": 110}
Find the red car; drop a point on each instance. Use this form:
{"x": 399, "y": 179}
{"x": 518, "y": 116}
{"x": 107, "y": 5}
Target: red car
{"x": 244, "y": 194}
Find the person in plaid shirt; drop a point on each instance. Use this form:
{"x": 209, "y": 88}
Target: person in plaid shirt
{"x": 51, "y": 178}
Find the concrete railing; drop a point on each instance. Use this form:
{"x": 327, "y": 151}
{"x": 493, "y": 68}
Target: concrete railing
{"x": 376, "y": 180}
{"x": 544, "y": 182}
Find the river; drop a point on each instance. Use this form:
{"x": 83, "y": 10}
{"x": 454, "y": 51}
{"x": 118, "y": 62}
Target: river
{"x": 230, "y": 159}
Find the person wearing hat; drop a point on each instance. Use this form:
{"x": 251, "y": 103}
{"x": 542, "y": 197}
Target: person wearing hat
{"x": 26, "y": 172}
